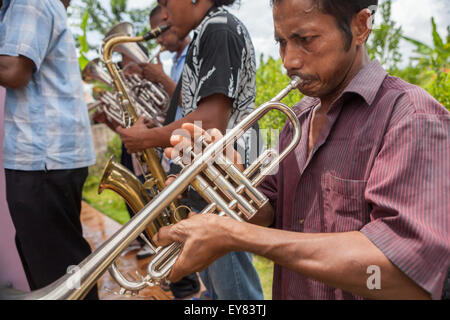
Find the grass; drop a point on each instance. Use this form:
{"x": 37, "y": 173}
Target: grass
{"x": 264, "y": 267}
{"x": 108, "y": 202}
{"x": 112, "y": 205}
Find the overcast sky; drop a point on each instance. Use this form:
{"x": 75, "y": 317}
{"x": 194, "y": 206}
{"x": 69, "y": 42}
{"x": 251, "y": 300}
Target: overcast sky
{"x": 414, "y": 16}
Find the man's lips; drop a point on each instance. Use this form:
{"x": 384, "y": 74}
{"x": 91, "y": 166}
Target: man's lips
{"x": 306, "y": 80}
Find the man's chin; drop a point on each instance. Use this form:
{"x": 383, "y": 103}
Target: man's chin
{"x": 308, "y": 89}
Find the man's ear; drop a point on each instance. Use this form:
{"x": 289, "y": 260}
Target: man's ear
{"x": 362, "y": 26}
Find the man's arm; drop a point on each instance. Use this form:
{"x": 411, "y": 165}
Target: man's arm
{"x": 15, "y": 72}
{"x": 340, "y": 260}
{"x": 213, "y": 112}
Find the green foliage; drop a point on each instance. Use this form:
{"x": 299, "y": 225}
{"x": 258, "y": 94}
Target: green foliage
{"x": 115, "y": 147}
{"x": 432, "y": 64}
{"x": 100, "y": 19}
{"x": 82, "y": 40}
{"x": 384, "y": 41}
{"x": 270, "y": 80}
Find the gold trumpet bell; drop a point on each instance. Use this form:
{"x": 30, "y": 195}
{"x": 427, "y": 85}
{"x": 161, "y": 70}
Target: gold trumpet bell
{"x": 129, "y": 49}
{"x": 120, "y": 29}
{"x": 119, "y": 179}
{"x": 94, "y": 71}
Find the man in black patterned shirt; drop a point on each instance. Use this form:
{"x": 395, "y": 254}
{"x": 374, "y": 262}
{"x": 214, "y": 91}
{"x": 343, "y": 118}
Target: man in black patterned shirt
{"x": 218, "y": 88}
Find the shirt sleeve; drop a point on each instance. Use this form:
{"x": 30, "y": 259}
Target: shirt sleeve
{"x": 26, "y": 29}
{"x": 221, "y": 55}
{"x": 269, "y": 188}
{"x": 409, "y": 189}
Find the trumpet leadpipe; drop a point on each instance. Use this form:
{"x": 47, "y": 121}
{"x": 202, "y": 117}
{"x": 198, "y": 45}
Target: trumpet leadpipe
{"x": 161, "y": 49}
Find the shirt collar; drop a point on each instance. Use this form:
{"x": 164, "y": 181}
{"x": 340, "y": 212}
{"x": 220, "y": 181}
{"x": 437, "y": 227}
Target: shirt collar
{"x": 211, "y": 12}
{"x": 367, "y": 82}
{"x": 4, "y": 7}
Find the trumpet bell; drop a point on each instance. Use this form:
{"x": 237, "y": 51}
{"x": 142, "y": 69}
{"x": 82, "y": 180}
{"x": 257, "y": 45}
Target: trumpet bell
{"x": 120, "y": 29}
{"x": 129, "y": 49}
{"x": 94, "y": 71}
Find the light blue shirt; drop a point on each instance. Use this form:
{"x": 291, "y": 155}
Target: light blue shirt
{"x": 175, "y": 74}
{"x": 46, "y": 122}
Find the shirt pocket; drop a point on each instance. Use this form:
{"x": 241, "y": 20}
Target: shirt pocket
{"x": 345, "y": 208}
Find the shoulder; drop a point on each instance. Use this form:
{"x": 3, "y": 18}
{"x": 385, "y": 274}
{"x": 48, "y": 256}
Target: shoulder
{"x": 412, "y": 101}
{"x": 41, "y": 5}
{"x": 224, "y": 24}
{"x": 38, "y": 8}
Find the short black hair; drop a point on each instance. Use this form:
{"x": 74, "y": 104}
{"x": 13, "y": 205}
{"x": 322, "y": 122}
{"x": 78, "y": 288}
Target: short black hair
{"x": 157, "y": 9}
{"x": 343, "y": 11}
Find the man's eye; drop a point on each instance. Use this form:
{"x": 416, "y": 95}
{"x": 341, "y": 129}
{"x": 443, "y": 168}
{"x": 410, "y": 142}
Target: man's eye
{"x": 306, "y": 40}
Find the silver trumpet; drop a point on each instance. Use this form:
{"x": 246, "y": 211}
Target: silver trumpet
{"x": 208, "y": 173}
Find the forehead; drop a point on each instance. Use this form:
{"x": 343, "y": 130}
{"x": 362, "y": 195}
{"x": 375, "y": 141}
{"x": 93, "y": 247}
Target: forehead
{"x": 291, "y": 15}
{"x": 295, "y": 9}
{"x": 156, "y": 19}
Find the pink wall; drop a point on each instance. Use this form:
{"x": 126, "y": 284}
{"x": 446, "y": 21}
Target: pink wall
{"x": 11, "y": 270}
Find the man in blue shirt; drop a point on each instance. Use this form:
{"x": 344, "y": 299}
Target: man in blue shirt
{"x": 48, "y": 143}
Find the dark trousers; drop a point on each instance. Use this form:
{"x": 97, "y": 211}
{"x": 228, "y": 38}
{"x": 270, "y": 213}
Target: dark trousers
{"x": 45, "y": 208}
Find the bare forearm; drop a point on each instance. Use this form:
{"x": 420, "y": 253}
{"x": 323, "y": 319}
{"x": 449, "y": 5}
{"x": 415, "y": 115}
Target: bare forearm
{"x": 15, "y": 72}
{"x": 340, "y": 260}
{"x": 6, "y": 74}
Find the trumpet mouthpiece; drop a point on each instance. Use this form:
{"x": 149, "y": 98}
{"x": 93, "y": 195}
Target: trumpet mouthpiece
{"x": 295, "y": 81}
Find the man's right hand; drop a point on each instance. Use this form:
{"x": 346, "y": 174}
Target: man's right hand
{"x": 153, "y": 72}
{"x": 133, "y": 68}
{"x": 189, "y": 133}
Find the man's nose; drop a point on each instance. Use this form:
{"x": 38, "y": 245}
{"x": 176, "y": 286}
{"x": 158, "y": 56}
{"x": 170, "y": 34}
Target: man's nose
{"x": 164, "y": 14}
{"x": 292, "y": 58}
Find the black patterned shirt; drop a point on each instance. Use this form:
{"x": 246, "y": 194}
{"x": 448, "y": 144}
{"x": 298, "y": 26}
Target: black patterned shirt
{"x": 221, "y": 59}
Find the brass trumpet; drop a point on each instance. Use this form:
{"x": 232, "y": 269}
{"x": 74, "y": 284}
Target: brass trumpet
{"x": 96, "y": 264}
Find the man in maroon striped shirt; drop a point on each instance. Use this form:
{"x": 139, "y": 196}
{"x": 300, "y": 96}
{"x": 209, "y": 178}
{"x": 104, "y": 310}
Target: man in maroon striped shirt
{"x": 360, "y": 209}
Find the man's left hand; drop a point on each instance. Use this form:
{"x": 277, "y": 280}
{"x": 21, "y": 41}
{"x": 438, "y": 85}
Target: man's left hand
{"x": 152, "y": 71}
{"x": 204, "y": 237}
{"x": 134, "y": 137}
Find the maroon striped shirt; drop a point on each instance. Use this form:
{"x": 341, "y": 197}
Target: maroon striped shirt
{"x": 381, "y": 165}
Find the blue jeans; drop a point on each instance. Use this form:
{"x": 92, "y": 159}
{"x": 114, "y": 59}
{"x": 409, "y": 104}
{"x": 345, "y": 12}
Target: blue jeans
{"x": 233, "y": 277}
